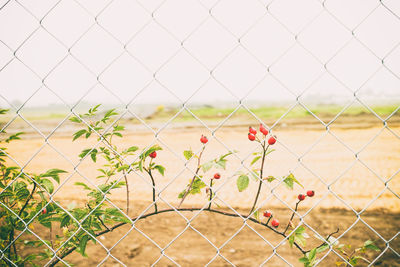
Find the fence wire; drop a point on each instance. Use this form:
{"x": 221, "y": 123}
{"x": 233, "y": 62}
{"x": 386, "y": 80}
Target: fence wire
{"x": 152, "y": 16}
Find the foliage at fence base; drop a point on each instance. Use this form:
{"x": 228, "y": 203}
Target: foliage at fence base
{"x": 26, "y": 198}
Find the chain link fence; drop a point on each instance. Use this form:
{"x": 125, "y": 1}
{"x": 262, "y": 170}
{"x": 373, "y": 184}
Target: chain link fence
{"x": 158, "y": 40}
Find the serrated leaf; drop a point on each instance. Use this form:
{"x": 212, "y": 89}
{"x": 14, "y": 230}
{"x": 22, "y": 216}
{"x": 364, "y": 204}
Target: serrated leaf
{"x": 188, "y": 154}
{"x": 221, "y": 164}
{"x": 242, "y": 182}
{"x": 207, "y": 166}
{"x": 290, "y": 180}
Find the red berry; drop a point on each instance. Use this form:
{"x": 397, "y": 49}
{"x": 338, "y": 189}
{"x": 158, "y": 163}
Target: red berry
{"x": 44, "y": 211}
{"x": 310, "y": 193}
{"x": 275, "y": 223}
{"x": 203, "y": 139}
{"x": 272, "y": 140}
{"x": 301, "y": 197}
{"x": 217, "y": 176}
{"x": 267, "y": 213}
{"x": 153, "y": 154}
{"x": 252, "y": 137}
{"x": 263, "y": 129}
{"x": 252, "y": 130}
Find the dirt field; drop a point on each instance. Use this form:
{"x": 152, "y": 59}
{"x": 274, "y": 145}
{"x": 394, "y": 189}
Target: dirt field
{"x": 348, "y": 179}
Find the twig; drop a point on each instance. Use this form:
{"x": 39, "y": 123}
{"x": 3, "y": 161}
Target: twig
{"x": 265, "y": 149}
{"x": 98, "y": 217}
{"x": 154, "y": 185}
{"x": 194, "y": 177}
{"x": 211, "y": 193}
{"x": 327, "y": 239}
{"x": 291, "y": 217}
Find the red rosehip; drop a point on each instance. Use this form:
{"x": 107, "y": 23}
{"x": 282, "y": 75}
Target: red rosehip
{"x": 310, "y": 193}
{"x": 252, "y": 137}
{"x": 252, "y": 130}
{"x": 267, "y": 213}
{"x": 275, "y": 223}
{"x": 44, "y": 211}
{"x": 263, "y": 129}
{"x": 301, "y": 197}
{"x": 272, "y": 140}
{"x": 203, "y": 139}
{"x": 217, "y": 176}
{"x": 153, "y": 154}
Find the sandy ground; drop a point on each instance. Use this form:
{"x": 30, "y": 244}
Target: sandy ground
{"x": 352, "y": 169}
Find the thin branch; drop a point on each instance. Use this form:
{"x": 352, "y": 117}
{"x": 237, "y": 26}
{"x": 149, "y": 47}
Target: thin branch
{"x": 211, "y": 193}
{"x": 194, "y": 177}
{"x": 265, "y": 149}
{"x": 291, "y": 217}
{"x": 98, "y": 217}
{"x": 154, "y": 185}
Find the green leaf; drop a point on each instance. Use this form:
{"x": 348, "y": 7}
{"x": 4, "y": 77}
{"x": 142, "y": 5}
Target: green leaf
{"x": 75, "y": 119}
{"x": 82, "y": 245}
{"x": 83, "y": 185}
{"x": 369, "y": 244}
{"x": 132, "y": 149}
{"x": 188, "y": 154}
{"x": 322, "y": 248}
{"x": 270, "y": 179}
{"x": 221, "y": 164}
{"x": 48, "y": 185}
{"x": 196, "y": 186}
{"x": 298, "y": 237}
{"x": 312, "y": 255}
{"x": 290, "y": 180}
{"x": 160, "y": 169}
{"x": 207, "y": 166}
{"x": 78, "y": 134}
{"x": 242, "y": 182}
{"x": 14, "y": 137}
{"x": 255, "y": 160}
{"x": 53, "y": 173}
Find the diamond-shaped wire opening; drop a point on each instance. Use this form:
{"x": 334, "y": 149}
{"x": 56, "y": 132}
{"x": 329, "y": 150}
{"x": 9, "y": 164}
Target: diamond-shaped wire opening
{"x": 183, "y": 23}
{"x": 13, "y": 13}
{"x": 42, "y": 52}
{"x": 376, "y": 33}
{"x": 19, "y": 83}
{"x": 121, "y": 13}
{"x": 105, "y": 51}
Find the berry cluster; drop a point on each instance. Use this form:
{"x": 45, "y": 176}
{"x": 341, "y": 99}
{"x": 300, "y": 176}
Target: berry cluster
{"x": 310, "y": 193}
{"x": 252, "y": 135}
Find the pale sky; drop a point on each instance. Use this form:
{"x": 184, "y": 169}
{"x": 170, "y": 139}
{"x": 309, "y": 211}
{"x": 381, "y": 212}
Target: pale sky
{"x": 267, "y": 66}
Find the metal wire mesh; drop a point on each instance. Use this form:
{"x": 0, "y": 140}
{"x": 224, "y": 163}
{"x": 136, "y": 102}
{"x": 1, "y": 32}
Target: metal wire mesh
{"x": 205, "y": 12}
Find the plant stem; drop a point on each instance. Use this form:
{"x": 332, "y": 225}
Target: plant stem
{"x": 194, "y": 177}
{"x": 154, "y": 186}
{"x": 211, "y": 193}
{"x": 291, "y": 217}
{"x": 123, "y": 173}
{"x": 180, "y": 209}
{"x": 327, "y": 239}
{"x": 265, "y": 149}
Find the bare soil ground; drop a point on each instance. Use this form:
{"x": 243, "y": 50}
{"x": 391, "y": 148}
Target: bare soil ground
{"x": 354, "y": 170}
